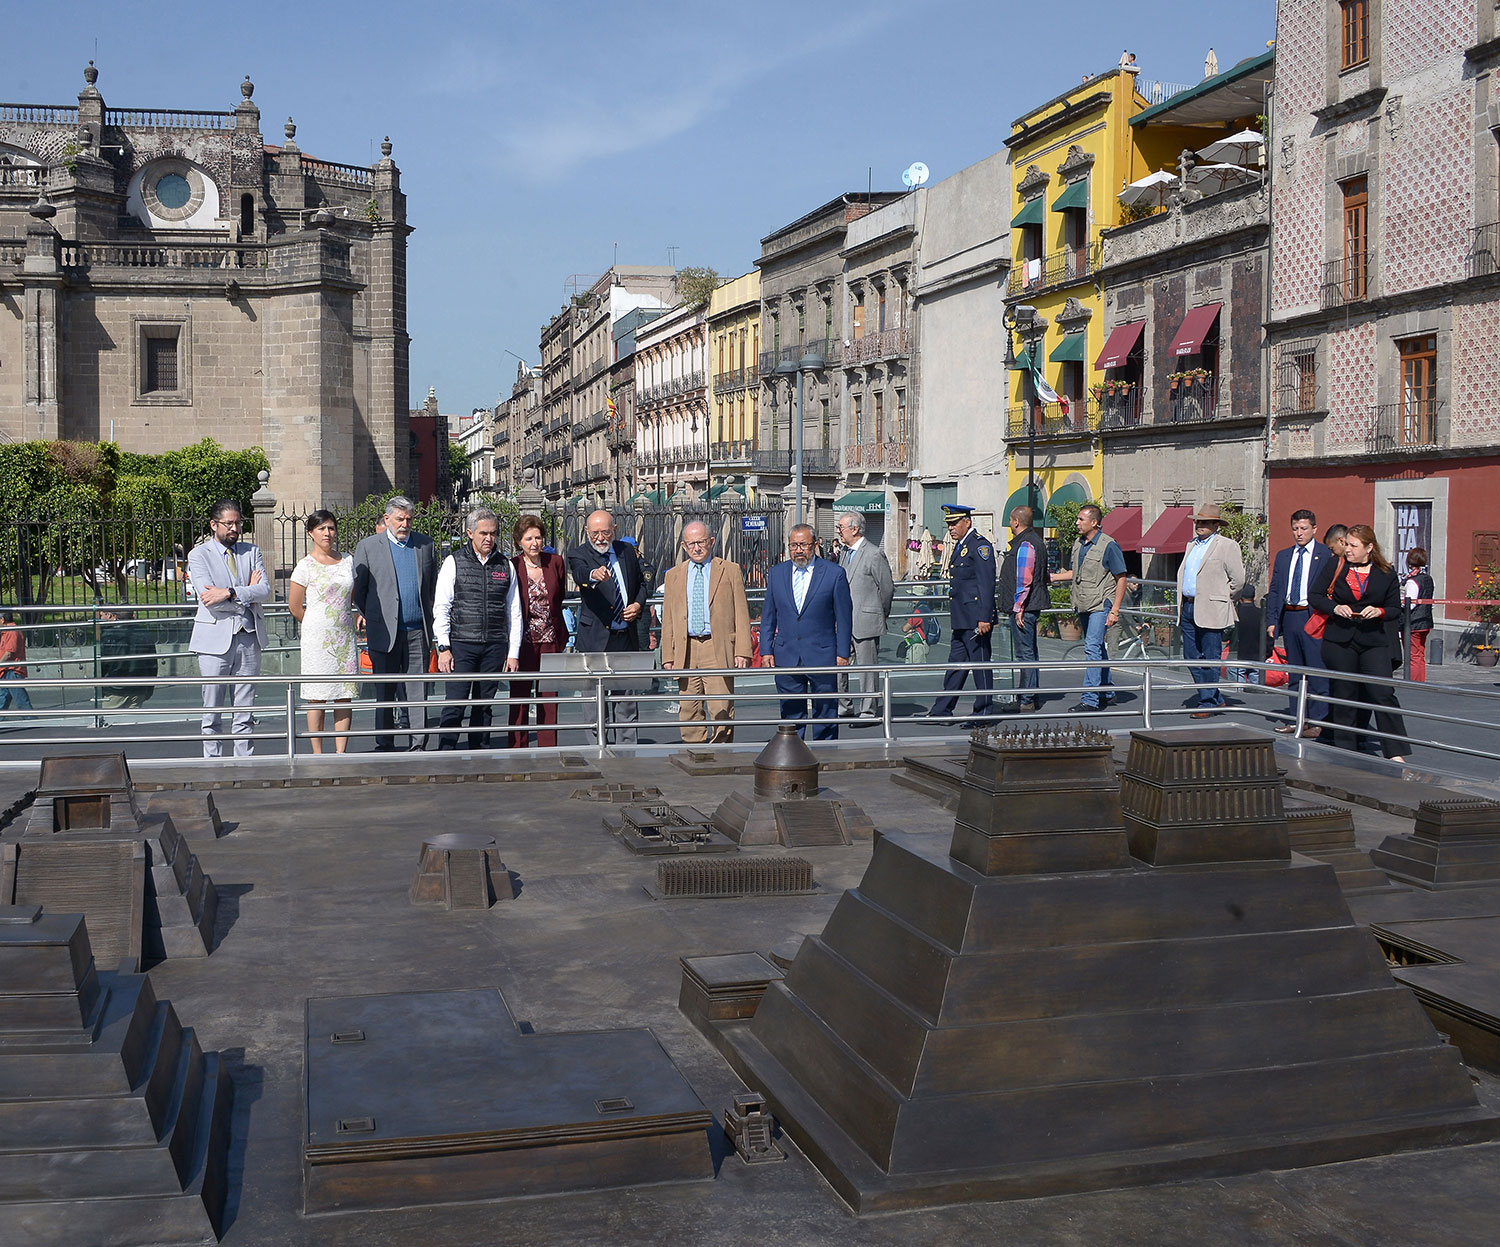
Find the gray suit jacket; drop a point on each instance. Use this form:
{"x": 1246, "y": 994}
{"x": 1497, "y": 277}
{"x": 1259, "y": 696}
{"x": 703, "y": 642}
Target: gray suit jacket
{"x": 214, "y": 626}
{"x": 872, "y": 588}
{"x": 375, "y": 593}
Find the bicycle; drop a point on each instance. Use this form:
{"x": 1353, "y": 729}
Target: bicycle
{"x": 1123, "y": 645}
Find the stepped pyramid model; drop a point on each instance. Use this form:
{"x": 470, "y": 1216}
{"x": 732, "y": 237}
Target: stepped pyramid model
{"x": 114, "y": 1124}
{"x": 1121, "y": 985}
{"x": 87, "y": 848}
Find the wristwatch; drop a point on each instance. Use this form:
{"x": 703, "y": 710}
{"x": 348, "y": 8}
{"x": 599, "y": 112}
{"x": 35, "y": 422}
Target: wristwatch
{"x": 442, "y": 649}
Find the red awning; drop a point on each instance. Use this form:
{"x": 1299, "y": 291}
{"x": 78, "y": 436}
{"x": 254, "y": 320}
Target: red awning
{"x": 1194, "y": 328}
{"x": 1122, "y": 340}
{"x": 1171, "y": 533}
{"x": 1124, "y": 525}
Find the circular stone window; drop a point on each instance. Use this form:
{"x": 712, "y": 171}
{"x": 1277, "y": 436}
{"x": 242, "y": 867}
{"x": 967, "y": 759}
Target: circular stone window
{"x": 173, "y": 190}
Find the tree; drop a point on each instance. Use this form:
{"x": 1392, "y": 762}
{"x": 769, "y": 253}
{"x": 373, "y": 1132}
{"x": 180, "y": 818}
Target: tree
{"x": 203, "y": 473}
{"x": 694, "y": 285}
{"x": 458, "y": 470}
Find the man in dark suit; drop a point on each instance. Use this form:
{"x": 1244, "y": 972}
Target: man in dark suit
{"x": 612, "y": 592}
{"x": 1293, "y": 572}
{"x": 807, "y": 621}
{"x": 395, "y": 578}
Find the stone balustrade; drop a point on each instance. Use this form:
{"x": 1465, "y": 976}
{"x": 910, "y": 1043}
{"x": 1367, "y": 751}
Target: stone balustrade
{"x": 166, "y": 119}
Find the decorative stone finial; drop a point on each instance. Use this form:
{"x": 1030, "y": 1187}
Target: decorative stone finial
{"x": 43, "y": 209}
{"x": 290, "y": 129}
{"x": 247, "y": 88}
{"x": 385, "y": 147}
{"x": 90, "y": 74}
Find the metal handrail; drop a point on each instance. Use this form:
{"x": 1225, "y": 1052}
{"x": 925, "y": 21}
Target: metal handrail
{"x": 1156, "y": 674}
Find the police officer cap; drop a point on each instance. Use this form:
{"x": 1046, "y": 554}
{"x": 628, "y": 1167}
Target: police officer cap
{"x": 954, "y": 511}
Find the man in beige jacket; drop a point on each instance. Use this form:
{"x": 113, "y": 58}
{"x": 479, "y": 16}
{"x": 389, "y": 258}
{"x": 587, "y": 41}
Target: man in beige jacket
{"x": 1210, "y": 577}
{"x": 705, "y": 624}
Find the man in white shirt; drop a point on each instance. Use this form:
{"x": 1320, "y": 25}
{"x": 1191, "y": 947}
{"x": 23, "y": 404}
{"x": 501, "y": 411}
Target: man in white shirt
{"x": 229, "y": 629}
{"x": 1293, "y": 570}
{"x": 1212, "y": 571}
{"x": 476, "y": 622}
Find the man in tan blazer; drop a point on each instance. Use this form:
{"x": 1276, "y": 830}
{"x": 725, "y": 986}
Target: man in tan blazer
{"x": 705, "y": 623}
{"x": 1208, "y": 581}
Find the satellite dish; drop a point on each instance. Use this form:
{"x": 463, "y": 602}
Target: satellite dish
{"x": 915, "y": 175}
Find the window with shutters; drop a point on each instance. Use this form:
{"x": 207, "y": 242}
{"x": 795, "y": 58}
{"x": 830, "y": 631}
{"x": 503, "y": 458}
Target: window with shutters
{"x": 161, "y": 366}
{"x": 1356, "y": 236}
{"x": 1418, "y": 417}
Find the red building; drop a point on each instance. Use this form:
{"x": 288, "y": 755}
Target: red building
{"x": 430, "y": 469}
{"x": 1384, "y": 328}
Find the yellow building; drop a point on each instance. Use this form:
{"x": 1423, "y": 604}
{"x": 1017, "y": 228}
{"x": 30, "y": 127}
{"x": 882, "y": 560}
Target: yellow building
{"x": 1070, "y": 158}
{"x": 733, "y": 380}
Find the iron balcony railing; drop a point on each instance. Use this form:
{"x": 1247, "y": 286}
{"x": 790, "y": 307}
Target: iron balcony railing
{"x": 884, "y": 344}
{"x": 1061, "y": 268}
{"x": 1484, "y": 250}
{"x": 1120, "y": 410}
{"x": 619, "y": 436}
{"x": 1194, "y": 402}
{"x": 875, "y": 455}
{"x": 1346, "y": 280}
{"x": 1051, "y": 421}
{"x": 732, "y": 453}
{"x": 831, "y": 350}
{"x": 734, "y": 379}
{"x": 1401, "y": 428}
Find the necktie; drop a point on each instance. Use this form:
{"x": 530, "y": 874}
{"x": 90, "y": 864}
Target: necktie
{"x": 234, "y": 572}
{"x": 1299, "y": 590}
{"x": 698, "y": 608}
{"x": 800, "y": 578}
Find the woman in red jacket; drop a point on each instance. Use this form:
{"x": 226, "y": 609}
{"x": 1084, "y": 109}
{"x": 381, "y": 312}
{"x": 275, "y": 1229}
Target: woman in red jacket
{"x": 542, "y": 578}
{"x": 1360, "y": 593}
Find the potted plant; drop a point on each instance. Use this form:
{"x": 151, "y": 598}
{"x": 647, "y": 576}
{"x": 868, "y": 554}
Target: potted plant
{"x": 1486, "y": 588}
{"x": 1173, "y": 381}
{"x": 1068, "y": 627}
{"x": 1097, "y": 391}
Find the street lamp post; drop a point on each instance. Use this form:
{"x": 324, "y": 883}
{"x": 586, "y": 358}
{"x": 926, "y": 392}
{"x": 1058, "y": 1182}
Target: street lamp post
{"x": 810, "y": 362}
{"x": 1023, "y": 319}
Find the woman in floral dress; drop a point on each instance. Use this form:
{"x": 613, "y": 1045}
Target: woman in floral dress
{"x": 320, "y": 599}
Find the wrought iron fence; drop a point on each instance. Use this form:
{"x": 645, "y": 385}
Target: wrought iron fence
{"x": 1194, "y": 402}
{"x": 1345, "y": 280}
{"x": 1484, "y": 250}
{"x": 1407, "y": 426}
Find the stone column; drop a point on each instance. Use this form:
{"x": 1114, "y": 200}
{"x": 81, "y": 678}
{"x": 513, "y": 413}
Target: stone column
{"x": 41, "y": 282}
{"x": 390, "y": 348}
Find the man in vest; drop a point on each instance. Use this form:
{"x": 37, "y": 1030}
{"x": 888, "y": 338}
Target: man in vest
{"x": 476, "y": 621}
{"x": 1098, "y": 577}
{"x": 1022, "y": 594}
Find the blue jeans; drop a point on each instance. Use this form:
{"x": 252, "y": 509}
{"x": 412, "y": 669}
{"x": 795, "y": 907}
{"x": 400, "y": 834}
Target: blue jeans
{"x": 1203, "y": 644}
{"x": 1023, "y": 640}
{"x": 1095, "y": 624}
{"x": 18, "y": 695}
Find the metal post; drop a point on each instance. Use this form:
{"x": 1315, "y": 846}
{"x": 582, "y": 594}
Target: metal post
{"x": 885, "y": 701}
{"x": 797, "y": 447}
{"x": 599, "y": 715}
{"x": 1146, "y": 696}
{"x": 1301, "y": 705}
{"x": 291, "y": 720}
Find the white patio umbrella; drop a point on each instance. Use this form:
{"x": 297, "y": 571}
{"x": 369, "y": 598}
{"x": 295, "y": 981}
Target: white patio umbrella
{"x": 1211, "y": 179}
{"x": 1239, "y": 149}
{"x": 1152, "y": 188}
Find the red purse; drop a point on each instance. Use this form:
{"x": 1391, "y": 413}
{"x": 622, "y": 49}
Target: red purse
{"x": 1317, "y": 620}
{"x": 1277, "y": 679}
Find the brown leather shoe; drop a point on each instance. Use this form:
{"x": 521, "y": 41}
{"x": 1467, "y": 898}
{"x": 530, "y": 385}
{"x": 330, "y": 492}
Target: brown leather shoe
{"x": 1311, "y": 733}
{"x": 1285, "y": 729}
{"x": 1202, "y": 714}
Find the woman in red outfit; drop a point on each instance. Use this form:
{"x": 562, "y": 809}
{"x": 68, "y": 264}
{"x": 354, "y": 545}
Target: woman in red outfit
{"x": 1360, "y": 593}
{"x": 542, "y": 578}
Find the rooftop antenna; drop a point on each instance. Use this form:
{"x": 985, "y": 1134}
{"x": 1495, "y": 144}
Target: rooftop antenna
{"x": 915, "y": 175}
{"x": 672, "y": 251}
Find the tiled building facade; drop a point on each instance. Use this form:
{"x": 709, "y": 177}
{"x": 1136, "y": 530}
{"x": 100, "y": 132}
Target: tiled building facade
{"x": 173, "y": 277}
{"x": 1385, "y": 313}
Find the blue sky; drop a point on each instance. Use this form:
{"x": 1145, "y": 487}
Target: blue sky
{"x": 533, "y": 138}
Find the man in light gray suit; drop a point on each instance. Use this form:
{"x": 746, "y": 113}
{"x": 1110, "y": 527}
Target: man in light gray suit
{"x": 229, "y": 630}
{"x": 395, "y": 580}
{"x": 873, "y": 589}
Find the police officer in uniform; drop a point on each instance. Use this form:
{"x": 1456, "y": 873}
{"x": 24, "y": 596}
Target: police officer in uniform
{"x": 972, "y": 570}
{"x": 476, "y": 622}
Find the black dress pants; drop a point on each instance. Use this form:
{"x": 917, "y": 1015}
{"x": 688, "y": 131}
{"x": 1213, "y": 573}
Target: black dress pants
{"x": 470, "y": 658}
{"x": 1349, "y": 659}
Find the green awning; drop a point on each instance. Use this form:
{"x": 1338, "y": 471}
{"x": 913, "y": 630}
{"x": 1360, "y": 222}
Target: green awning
{"x": 1023, "y": 360}
{"x": 1071, "y": 492}
{"x": 1018, "y": 499}
{"x": 1076, "y": 196}
{"x": 1033, "y": 213}
{"x": 720, "y": 489}
{"x": 865, "y": 501}
{"x": 1069, "y": 350}
{"x": 651, "y": 497}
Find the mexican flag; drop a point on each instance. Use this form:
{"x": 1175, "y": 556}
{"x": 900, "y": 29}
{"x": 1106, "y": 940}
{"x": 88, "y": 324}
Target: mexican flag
{"x": 1044, "y": 392}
